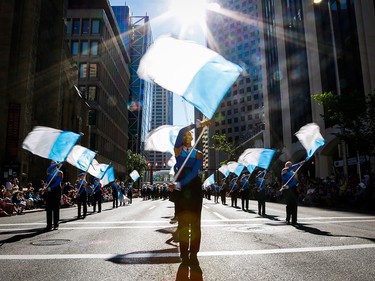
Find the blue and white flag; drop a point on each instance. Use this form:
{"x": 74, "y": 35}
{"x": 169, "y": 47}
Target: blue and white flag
{"x": 209, "y": 181}
{"x": 162, "y": 138}
{"x": 81, "y": 157}
{"x": 256, "y": 157}
{"x": 224, "y": 170}
{"x": 199, "y": 75}
{"x": 235, "y": 168}
{"x": 50, "y": 143}
{"x": 310, "y": 137}
{"x": 134, "y": 175}
{"x": 108, "y": 177}
{"x": 97, "y": 170}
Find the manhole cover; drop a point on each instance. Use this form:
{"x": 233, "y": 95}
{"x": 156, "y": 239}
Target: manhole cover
{"x": 51, "y": 242}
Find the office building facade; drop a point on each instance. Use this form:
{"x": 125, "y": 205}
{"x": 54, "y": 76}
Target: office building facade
{"x": 37, "y": 78}
{"x": 289, "y": 55}
{"x": 103, "y": 78}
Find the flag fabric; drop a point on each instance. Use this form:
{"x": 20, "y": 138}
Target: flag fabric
{"x": 50, "y": 143}
{"x": 81, "y": 157}
{"x": 224, "y": 170}
{"x": 256, "y": 157}
{"x": 162, "y": 139}
{"x": 97, "y": 170}
{"x": 108, "y": 177}
{"x": 310, "y": 138}
{"x": 134, "y": 175}
{"x": 171, "y": 162}
{"x": 199, "y": 75}
{"x": 209, "y": 181}
{"x": 235, "y": 167}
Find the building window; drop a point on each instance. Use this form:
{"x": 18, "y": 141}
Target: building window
{"x": 76, "y": 26}
{"x": 92, "y": 94}
{"x": 92, "y": 117}
{"x": 95, "y": 27}
{"x": 93, "y": 70}
{"x": 94, "y": 48}
{"x": 85, "y": 26}
{"x": 84, "y": 48}
{"x": 83, "y": 70}
{"x": 68, "y": 26}
{"x": 93, "y": 141}
{"x": 75, "y": 48}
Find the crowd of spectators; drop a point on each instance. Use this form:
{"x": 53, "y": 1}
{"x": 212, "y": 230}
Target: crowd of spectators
{"x": 334, "y": 191}
{"x": 16, "y": 198}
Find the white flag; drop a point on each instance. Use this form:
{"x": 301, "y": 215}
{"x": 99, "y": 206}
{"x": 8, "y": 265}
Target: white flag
{"x": 97, "y": 170}
{"x": 199, "y": 75}
{"x": 134, "y": 175}
{"x": 162, "y": 139}
{"x": 50, "y": 143}
{"x": 310, "y": 137}
{"x": 81, "y": 157}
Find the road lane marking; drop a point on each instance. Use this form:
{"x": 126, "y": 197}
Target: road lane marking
{"x": 220, "y": 216}
{"x": 152, "y": 207}
{"x": 200, "y": 254}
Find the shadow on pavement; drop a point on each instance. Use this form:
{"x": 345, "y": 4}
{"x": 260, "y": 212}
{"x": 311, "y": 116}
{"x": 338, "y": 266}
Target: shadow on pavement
{"x": 148, "y": 257}
{"x": 23, "y": 234}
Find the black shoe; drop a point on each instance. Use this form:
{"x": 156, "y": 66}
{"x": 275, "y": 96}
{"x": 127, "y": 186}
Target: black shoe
{"x": 48, "y": 228}
{"x": 56, "y": 228}
{"x": 287, "y": 222}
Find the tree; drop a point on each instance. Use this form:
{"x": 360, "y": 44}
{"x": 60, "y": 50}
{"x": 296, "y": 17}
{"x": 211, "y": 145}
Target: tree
{"x": 368, "y": 130}
{"x": 354, "y": 115}
{"x": 221, "y": 144}
{"x": 136, "y": 162}
{"x": 347, "y": 111}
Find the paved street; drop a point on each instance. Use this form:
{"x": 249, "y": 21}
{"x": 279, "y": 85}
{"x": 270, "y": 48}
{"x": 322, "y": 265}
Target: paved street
{"x": 135, "y": 243}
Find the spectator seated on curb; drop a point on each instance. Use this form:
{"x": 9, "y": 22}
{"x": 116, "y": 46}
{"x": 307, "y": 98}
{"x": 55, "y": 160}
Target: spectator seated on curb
{"x": 7, "y": 207}
{"x": 19, "y": 201}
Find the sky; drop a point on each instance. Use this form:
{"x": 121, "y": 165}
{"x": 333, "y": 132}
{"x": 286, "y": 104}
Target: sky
{"x": 164, "y": 22}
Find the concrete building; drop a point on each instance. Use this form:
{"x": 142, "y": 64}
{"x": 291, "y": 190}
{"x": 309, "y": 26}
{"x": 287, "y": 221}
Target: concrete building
{"x": 162, "y": 114}
{"x": 235, "y": 34}
{"x": 103, "y": 79}
{"x": 37, "y": 78}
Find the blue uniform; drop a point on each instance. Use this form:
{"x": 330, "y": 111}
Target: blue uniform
{"x": 97, "y": 196}
{"x": 53, "y": 196}
{"x": 290, "y": 192}
{"x": 81, "y": 197}
{"x": 261, "y": 193}
{"x": 190, "y": 198}
{"x": 245, "y": 193}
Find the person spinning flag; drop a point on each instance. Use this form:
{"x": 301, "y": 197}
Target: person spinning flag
{"x": 190, "y": 198}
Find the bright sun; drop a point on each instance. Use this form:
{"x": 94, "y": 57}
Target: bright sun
{"x": 189, "y": 11}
